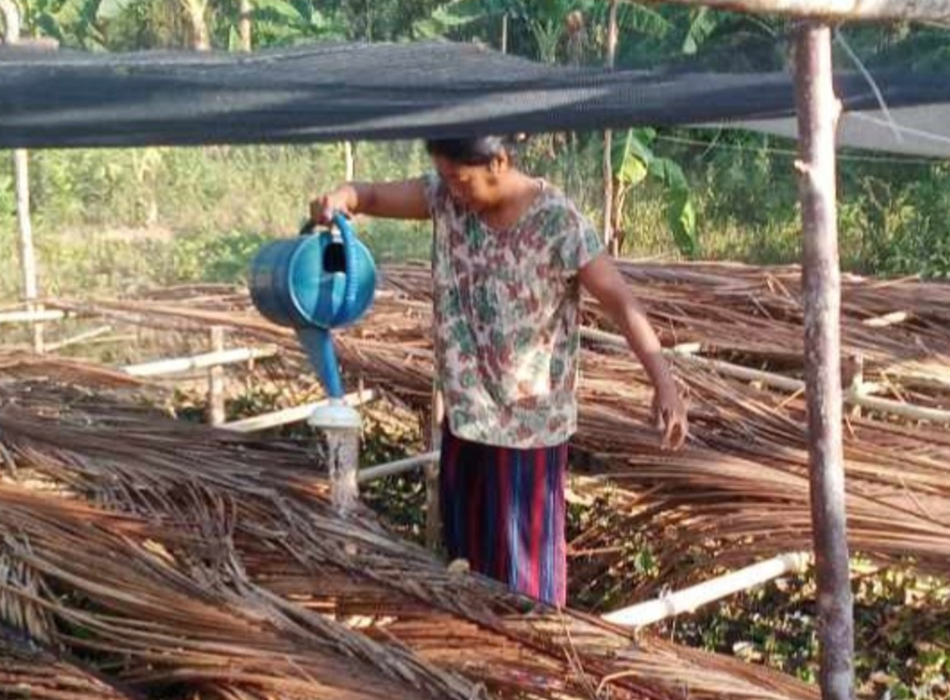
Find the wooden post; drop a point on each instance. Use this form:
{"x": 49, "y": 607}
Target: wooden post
{"x": 818, "y": 111}
{"x": 433, "y": 511}
{"x": 349, "y": 157}
{"x": 608, "y": 214}
{"x": 216, "y": 409}
{"x": 11, "y": 35}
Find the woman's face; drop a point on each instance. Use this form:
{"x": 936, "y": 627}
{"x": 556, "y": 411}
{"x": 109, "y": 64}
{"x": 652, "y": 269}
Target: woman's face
{"x": 475, "y": 187}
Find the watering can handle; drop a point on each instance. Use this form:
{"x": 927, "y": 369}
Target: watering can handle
{"x": 350, "y": 261}
{"x": 351, "y": 288}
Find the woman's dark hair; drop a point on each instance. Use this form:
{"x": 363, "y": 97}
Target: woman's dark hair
{"x": 476, "y": 151}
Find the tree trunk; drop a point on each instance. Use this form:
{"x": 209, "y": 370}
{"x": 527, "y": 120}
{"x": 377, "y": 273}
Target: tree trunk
{"x": 195, "y": 11}
{"x": 11, "y": 21}
{"x": 608, "y": 214}
{"x": 504, "y": 32}
{"x": 818, "y": 111}
{"x": 245, "y": 8}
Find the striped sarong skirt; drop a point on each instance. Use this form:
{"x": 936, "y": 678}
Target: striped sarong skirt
{"x": 503, "y": 512}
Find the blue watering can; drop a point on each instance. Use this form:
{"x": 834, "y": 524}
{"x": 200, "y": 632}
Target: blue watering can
{"x": 315, "y": 283}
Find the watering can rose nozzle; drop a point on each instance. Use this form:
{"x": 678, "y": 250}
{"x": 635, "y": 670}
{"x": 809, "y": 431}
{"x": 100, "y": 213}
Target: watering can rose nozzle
{"x": 336, "y": 414}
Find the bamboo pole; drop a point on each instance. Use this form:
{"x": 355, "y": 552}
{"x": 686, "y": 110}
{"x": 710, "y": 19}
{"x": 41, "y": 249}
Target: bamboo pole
{"x": 216, "y": 380}
{"x": 203, "y": 361}
{"x": 32, "y": 316}
{"x": 818, "y": 111}
{"x": 689, "y": 599}
{"x": 83, "y": 337}
{"x": 296, "y": 414}
{"x": 11, "y": 35}
{"x": 837, "y": 10}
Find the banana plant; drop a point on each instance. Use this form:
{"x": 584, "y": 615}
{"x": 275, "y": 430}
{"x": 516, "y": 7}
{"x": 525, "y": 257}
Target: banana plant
{"x": 73, "y": 23}
{"x": 634, "y": 162}
{"x": 280, "y": 22}
{"x": 545, "y": 20}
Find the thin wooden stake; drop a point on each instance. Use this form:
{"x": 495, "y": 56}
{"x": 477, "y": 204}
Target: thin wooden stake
{"x": 817, "y": 118}
{"x": 79, "y": 338}
{"x": 608, "y": 212}
{"x": 349, "y": 157}
{"x": 216, "y": 380}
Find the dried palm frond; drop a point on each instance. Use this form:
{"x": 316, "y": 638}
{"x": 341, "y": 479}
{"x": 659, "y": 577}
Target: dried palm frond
{"x": 216, "y": 561}
{"x": 743, "y": 481}
{"x": 31, "y": 672}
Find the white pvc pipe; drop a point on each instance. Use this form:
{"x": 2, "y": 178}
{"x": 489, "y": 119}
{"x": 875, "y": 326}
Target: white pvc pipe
{"x": 398, "y": 467}
{"x": 203, "y": 361}
{"x": 857, "y": 397}
{"x": 689, "y": 599}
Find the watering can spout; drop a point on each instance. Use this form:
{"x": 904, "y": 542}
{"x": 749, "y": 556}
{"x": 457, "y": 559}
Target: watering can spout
{"x": 318, "y": 345}
{"x": 336, "y": 413}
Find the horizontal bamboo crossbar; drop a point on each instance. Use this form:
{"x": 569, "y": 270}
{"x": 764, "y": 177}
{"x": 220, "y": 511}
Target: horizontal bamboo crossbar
{"x": 210, "y": 359}
{"x": 32, "y": 316}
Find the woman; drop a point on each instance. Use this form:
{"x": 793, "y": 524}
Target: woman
{"x": 510, "y": 255}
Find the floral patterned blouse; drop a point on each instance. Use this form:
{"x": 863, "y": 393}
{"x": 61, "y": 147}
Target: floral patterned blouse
{"x": 506, "y": 318}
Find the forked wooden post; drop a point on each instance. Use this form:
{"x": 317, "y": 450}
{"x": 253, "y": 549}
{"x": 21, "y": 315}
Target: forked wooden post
{"x": 817, "y": 119}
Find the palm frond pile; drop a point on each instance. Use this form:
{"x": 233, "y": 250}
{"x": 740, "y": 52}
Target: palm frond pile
{"x": 182, "y": 561}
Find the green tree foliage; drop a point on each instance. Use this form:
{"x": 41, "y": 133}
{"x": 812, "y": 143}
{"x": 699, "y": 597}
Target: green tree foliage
{"x": 696, "y": 192}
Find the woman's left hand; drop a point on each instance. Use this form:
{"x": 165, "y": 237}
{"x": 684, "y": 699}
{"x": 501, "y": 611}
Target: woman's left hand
{"x": 669, "y": 415}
